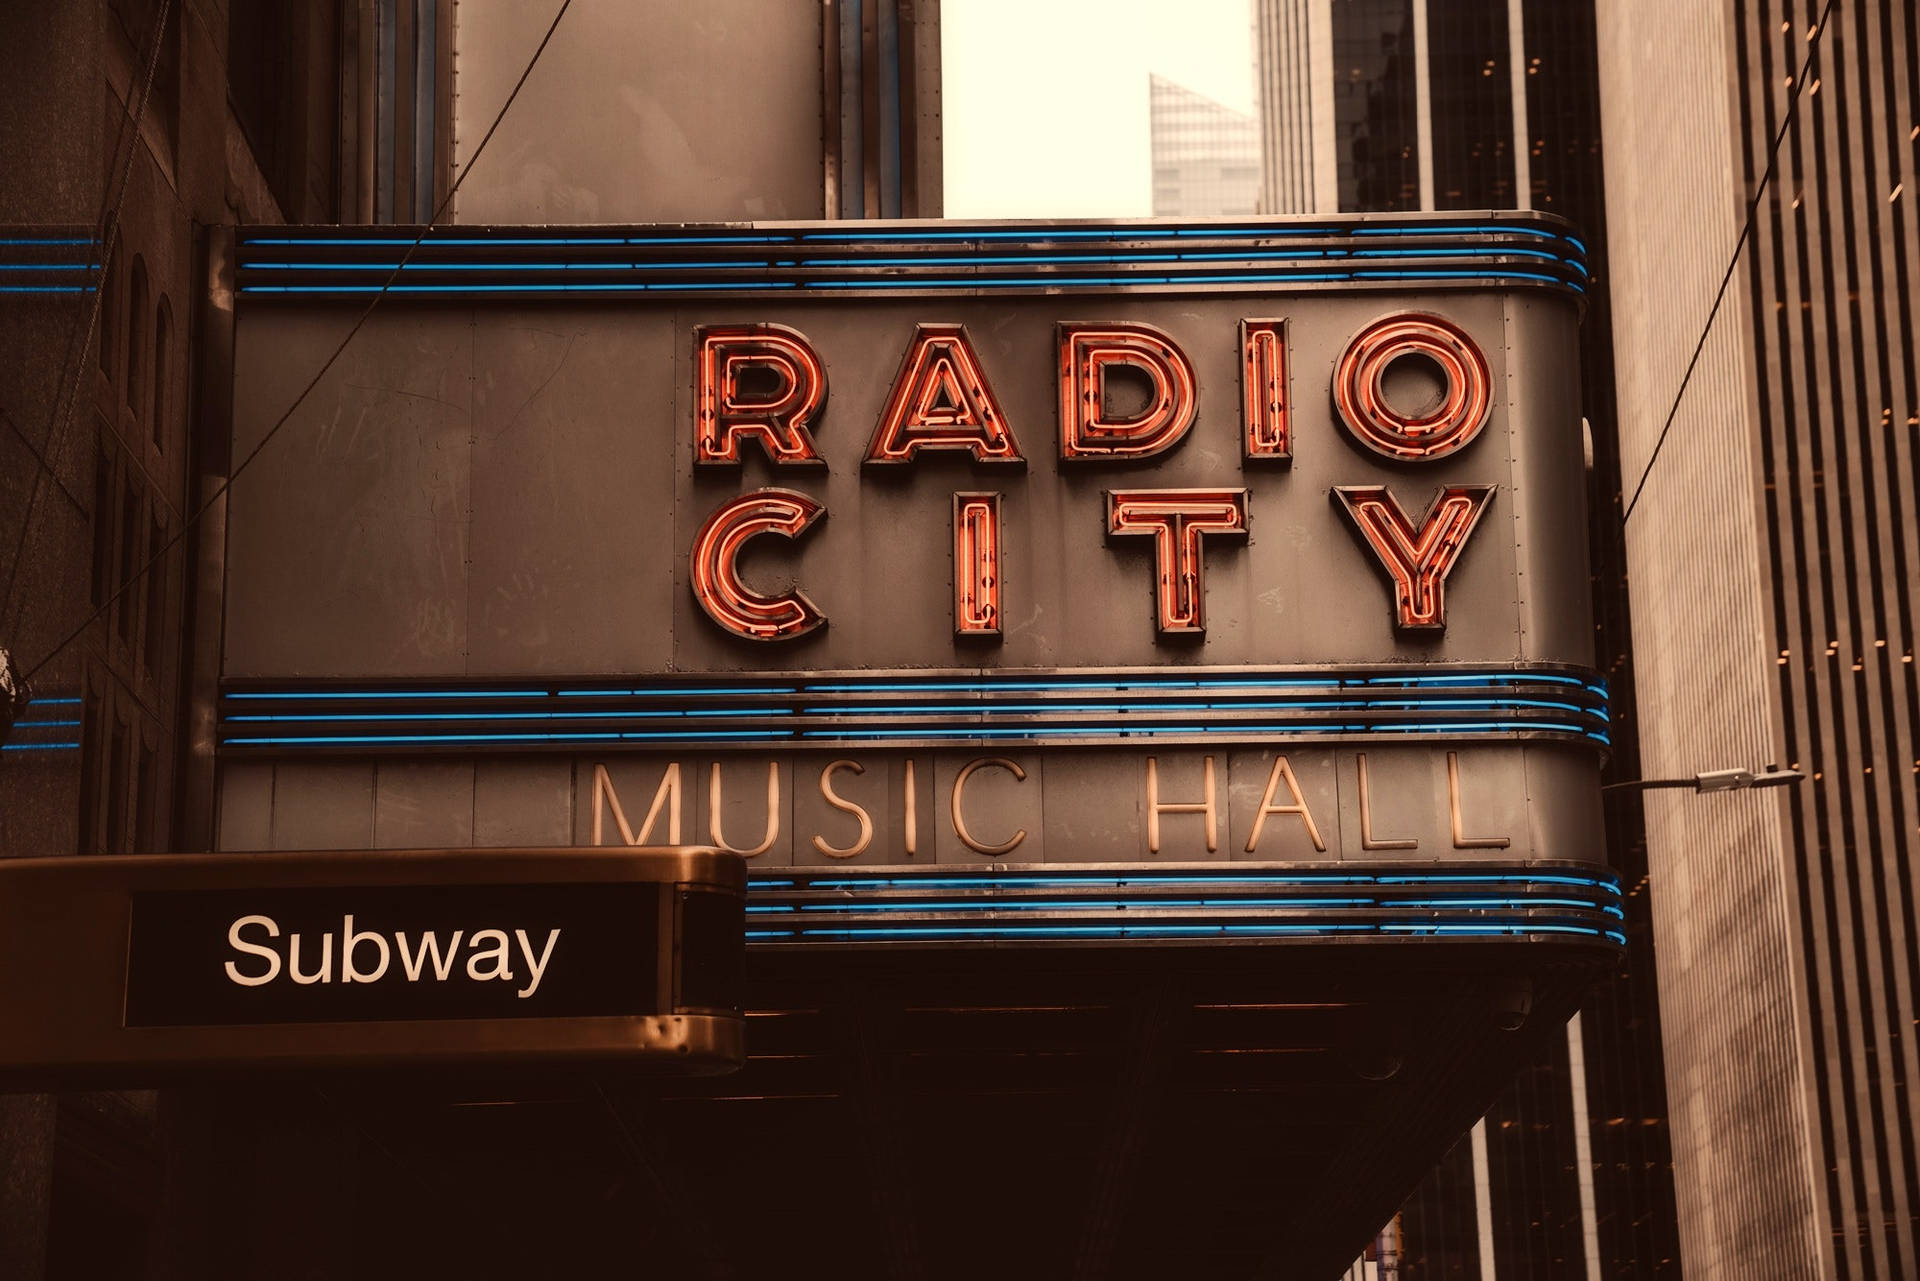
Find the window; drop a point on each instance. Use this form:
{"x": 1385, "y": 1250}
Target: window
{"x": 91, "y": 754}
{"x": 109, "y": 318}
{"x": 115, "y": 840}
{"x": 102, "y": 514}
{"x": 162, "y": 338}
{"x": 129, "y": 557}
{"x": 136, "y": 330}
{"x": 156, "y": 598}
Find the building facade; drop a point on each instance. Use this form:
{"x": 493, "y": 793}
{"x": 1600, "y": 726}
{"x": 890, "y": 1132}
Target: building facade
{"x": 1405, "y": 104}
{"x": 434, "y": 537}
{"x": 1773, "y": 553}
{"x": 1206, "y": 156}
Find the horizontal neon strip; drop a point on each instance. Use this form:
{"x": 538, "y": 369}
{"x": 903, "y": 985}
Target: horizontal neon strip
{"x": 984, "y": 684}
{"x": 1169, "y": 931}
{"x": 52, "y": 702}
{"x": 907, "y": 906}
{"x": 41, "y": 724}
{"x": 1491, "y": 253}
{"x": 36, "y": 747}
{"x": 938, "y": 709}
{"x": 1124, "y": 879}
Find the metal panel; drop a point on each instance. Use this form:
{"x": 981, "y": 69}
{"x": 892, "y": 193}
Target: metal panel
{"x": 324, "y": 805}
{"x": 246, "y": 806}
{"x": 417, "y": 804}
{"x": 348, "y": 548}
{"x": 656, "y": 111}
{"x": 568, "y": 493}
{"x": 522, "y": 803}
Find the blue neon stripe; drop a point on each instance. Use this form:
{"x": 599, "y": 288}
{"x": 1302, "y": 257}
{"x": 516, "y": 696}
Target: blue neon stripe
{"x": 49, "y": 266}
{"x": 36, "y": 747}
{"x": 52, "y": 702}
{"x": 669, "y": 691}
{"x": 510, "y": 266}
{"x": 1121, "y": 880}
{"x": 46, "y": 289}
{"x": 45, "y": 240}
{"x": 1167, "y": 931}
{"x": 556, "y": 287}
{"x": 637, "y": 713}
{"x": 42, "y": 724}
{"x": 388, "y": 693}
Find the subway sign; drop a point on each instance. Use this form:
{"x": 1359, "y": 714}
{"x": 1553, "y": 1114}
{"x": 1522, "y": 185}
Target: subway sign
{"x": 911, "y": 544}
{"x": 174, "y": 964}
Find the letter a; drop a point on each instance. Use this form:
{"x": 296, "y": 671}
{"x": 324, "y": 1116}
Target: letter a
{"x": 941, "y": 400}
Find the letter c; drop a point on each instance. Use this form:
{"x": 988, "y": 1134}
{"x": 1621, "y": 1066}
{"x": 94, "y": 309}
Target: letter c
{"x": 960, "y": 787}
{"x": 253, "y": 949}
{"x": 715, "y": 572}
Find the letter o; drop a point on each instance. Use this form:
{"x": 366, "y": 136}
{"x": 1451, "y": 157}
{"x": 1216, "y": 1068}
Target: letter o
{"x": 1361, "y": 404}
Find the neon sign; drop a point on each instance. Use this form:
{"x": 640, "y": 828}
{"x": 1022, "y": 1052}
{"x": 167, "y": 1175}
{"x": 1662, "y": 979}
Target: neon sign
{"x": 942, "y": 401}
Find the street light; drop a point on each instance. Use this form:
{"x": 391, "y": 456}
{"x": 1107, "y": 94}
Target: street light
{"x": 1715, "y": 780}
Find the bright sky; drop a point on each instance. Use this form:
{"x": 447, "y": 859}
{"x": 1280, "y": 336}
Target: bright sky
{"x": 1045, "y": 101}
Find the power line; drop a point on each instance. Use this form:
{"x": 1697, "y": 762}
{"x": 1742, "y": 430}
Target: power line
{"x": 1746, "y": 230}
{"x": 221, "y": 490}
{"x": 106, "y": 235}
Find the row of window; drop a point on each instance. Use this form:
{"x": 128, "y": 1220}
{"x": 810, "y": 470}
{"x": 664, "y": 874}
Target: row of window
{"x": 136, "y": 347}
{"x": 122, "y": 809}
{"x": 129, "y": 529}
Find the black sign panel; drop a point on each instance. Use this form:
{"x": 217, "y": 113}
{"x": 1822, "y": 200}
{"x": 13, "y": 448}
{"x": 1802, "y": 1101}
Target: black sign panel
{"x": 382, "y": 953}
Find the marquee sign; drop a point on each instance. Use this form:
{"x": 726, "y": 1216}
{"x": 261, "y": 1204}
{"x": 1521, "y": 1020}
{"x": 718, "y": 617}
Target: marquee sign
{"x": 317, "y": 960}
{"x": 896, "y": 544}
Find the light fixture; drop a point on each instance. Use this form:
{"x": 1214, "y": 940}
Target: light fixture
{"x": 1715, "y": 780}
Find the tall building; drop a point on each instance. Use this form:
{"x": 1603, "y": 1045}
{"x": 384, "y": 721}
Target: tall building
{"x": 1206, "y": 156}
{"x": 1369, "y": 105}
{"x": 1774, "y": 563}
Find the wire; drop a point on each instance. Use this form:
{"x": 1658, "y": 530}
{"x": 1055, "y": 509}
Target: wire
{"x": 222, "y": 489}
{"x": 1746, "y": 230}
{"x": 106, "y": 235}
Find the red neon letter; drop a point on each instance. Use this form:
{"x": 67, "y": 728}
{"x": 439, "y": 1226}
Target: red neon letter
{"x": 940, "y": 400}
{"x": 1448, "y": 427}
{"x": 1086, "y": 353}
{"x": 715, "y": 566}
{"x": 1177, "y": 519}
{"x": 1416, "y": 561}
{"x": 976, "y": 564}
{"x": 724, "y": 412}
{"x": 1265, "y": 403}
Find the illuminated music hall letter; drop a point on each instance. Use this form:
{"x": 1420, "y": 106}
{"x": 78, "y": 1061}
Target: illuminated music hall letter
{"x": 960, "y": 829}
{"x": 727, "y": 407}
{"x": 666, "y": 796}
{"x": 714, "y": 566}
{"x": 1204, "y": 807}
{"x": 1087, "y": 353}
{"x": 1266, "y": 403}
{"x": 976, "y": 564}
{"x": 1282, "y": 772}
{"x": 1415, "y": 560}
{"x": 846, "y": 806}
{"x": 1360, "y": 401}
{"x": 716, "y": 806}
{"x": 1177, "y": 519}
{"x": 941, "y": 400}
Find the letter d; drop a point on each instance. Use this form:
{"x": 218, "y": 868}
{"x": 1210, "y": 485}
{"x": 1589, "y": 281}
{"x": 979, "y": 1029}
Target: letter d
{"x": 349, "y": 941}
